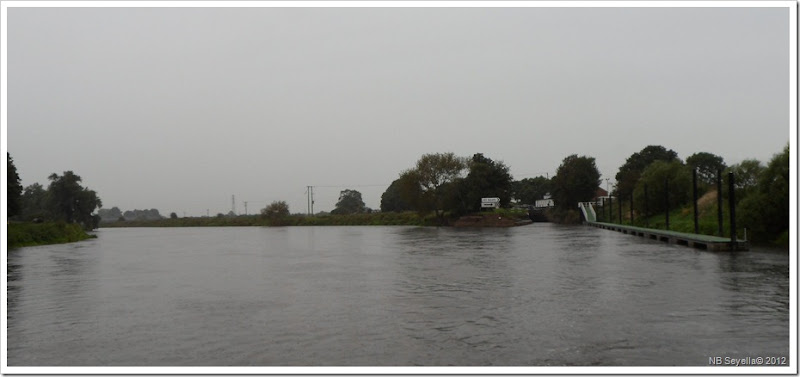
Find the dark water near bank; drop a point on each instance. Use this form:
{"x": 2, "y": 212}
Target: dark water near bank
{"x": 384, "y": 296}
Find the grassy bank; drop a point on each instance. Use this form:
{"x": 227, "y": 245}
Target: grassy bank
{"x": 382, "y": 218}
{"x": 30, "y": 234}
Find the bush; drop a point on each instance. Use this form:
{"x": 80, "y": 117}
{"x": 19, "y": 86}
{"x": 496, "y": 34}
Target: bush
{"x": 680, "y": 186}
{"x": 511, "y": 213}
{"x": 380, "y": 218}
{"x": 275, "y": 210}
{"x": 765, "y": 212}
{"x": 563, "y": 216}
{"x": 29, "y": 234}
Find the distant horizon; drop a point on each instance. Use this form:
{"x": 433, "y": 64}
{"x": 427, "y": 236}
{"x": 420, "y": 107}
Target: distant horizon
{"x": 260, "y": 103}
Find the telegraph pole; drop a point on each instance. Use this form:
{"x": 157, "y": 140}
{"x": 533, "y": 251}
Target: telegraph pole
{"x": 245, "y": 207}
{"x": 719, "y": 202}
{"x": 308, "y": 200}
{"x": 732, "y": 208}
{"x": 694, "y": 196}
{"x": 233, "y": 204}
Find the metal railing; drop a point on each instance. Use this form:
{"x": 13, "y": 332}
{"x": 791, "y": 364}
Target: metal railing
{"x": 588, "y": 211}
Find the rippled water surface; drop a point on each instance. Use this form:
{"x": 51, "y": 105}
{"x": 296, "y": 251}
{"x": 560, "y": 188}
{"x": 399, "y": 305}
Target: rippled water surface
{"x": 390, "y": 296}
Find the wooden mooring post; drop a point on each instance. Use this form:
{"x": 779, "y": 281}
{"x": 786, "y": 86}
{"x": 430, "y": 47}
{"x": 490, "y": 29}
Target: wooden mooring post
{"x": 610, "y": 209}
{"x": 666, "y": 200}
{"x": 719, "y": 202}
{"x": 694, "y": 195}
{"x": 646, "y": 211}
{"x": 631, "y": 207}
{"x": 732, "y": 209}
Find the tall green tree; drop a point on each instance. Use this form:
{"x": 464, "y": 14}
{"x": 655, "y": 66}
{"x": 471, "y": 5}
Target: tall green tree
{"x": 142, "y": 214}
{"x": 70, "y": 202}
{"x": 276, "y": 209}
{"x": 349, "y": 202}
{"x": 576, "y": 180}
{"x": 392, "y": 201}
{"x": 34, "y": 202}
{"x": 746, "y": 175}
{"x": 707, "y": 165}
{"x": 424, "y": 186}
{"x": 765, "y": 211}
{"x": 655, "y": 176}
{"x": 412, "y": 193}
{"x": 14, "y": 188}
{"x": 110, "y": 215}
{"x": 486, "y": 179}
{"x": 529, "y": 190}
{"x": 629, "y": 173}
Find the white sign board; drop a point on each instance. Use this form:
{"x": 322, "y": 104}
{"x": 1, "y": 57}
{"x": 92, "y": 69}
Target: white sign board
{"x": 490, "y": 200}
{"x": 490, "y": 205}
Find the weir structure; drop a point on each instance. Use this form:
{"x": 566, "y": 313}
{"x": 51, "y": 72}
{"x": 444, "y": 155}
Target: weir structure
{"x": 697, "y": 241}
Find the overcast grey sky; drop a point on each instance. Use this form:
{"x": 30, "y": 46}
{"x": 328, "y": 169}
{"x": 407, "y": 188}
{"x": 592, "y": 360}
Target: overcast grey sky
{"x": 180, "y": 108}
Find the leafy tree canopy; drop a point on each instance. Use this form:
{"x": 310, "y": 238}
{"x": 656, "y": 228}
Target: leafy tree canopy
{"x": 746, "y": 174}
{"x": 34, "y": 202}
{"x": 434, "y": 170}
{"x": 392, "y": 201}
{"x": 529, "y": 190}
{"x": 143, "y": 214}
{"x": 275, "y": 209}
{"x": 707, "y": 165}
{"x": 486, "y": 178}
{"x": 629, "y": 173}
{"x": 423, "y": 187}
{"x": 411, "y": 192}
{"x": 70, "y": 202}
{"x": 576, "y": 180}
{"x": 110, "y": 215}
{"x": 765, "y": 212}
{"x": 349, "y": 202}
{"x": 655, "y": 177}
{"x": 14, "y": 187}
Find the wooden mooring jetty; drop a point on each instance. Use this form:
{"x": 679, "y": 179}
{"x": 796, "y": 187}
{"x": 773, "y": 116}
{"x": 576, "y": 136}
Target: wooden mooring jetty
{"x": 697, "y": 241}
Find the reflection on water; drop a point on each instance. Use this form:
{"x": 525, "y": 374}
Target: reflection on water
{"x": 534, "y": 295}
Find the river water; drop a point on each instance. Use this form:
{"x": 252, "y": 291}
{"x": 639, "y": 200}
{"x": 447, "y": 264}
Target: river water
{"x": 535, "y": 295}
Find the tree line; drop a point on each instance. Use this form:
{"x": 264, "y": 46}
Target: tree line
{"x": 446, "y": 184}
{"x": 441, "y": 184}
{"x": 64, "y": 199}
{"x": 116, "y": 214}
{"x": 761, "y": 191}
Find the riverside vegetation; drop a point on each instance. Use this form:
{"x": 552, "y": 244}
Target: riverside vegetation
{"x": 33, "y": 234}
{"x": 62, "y": 213}
{"x": 761, "y": 194}
{"x": 442, "y": 187}
{"x": 375, "y": 218}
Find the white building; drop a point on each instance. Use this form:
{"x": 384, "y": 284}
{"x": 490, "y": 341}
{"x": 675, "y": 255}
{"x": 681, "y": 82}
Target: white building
{"x": 544, "y": 203}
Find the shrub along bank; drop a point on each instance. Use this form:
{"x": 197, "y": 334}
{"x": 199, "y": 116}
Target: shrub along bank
{"x": 682, "y": 220}
{"x": 381, "y": 218}
{"x": 32, "y": 234}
